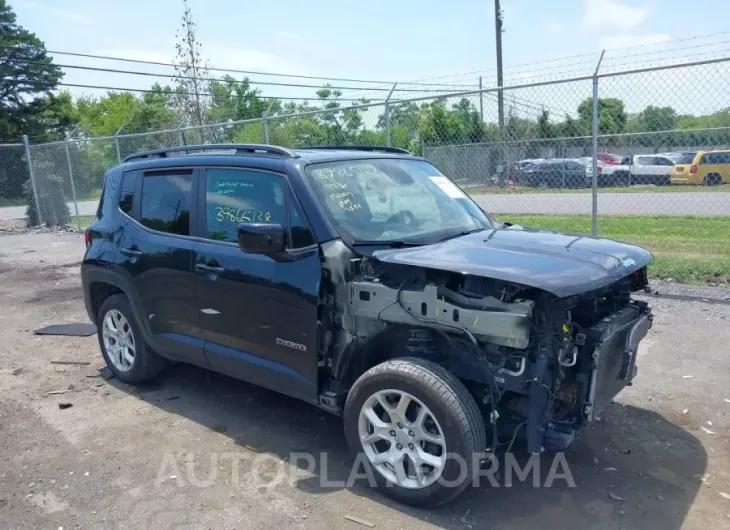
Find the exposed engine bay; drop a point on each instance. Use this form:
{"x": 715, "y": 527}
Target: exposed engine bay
{"x": 539, "y": 366}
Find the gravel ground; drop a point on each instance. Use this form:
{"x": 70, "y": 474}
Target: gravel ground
{"x": 162, "y": 455}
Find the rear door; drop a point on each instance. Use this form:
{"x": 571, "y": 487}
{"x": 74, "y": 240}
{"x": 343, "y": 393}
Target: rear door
{"x": 155, "y": 260}
{"x": 715, "y": 165}
{"x": 258, "y": 314}
{"x": 575, "y": 174}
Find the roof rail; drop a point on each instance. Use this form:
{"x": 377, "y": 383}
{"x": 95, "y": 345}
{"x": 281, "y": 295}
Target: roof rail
{"x": 376, "y": 148}
{"x": 241, "y": 149}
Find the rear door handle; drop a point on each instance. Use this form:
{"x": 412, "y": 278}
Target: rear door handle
{"x": 208, "y": 269}
{"x": 131, "y": 252}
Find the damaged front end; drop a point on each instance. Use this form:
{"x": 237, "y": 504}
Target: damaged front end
{"x": 530, "y": 358}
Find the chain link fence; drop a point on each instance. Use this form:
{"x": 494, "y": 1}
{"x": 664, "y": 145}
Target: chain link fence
{"x": 642, "y": 156}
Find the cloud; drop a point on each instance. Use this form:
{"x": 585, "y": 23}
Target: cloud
{"x": 71, "y": 16}
{"x": 288, "y": 35}
{"x": 627, "y": 41}
{"x": 553, "y": 28}
{"x": 605, "y": 13}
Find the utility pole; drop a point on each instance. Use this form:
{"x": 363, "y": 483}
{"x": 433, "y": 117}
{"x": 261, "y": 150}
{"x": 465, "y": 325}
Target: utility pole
{"x": 500, "y": 94}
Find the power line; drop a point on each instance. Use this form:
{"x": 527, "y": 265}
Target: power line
{"x": 218, "y": 79}
{"x": 176, "y": 93}
{"x": 213, "y": 69}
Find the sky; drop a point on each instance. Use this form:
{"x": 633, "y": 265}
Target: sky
{"x": 396, "y": 40}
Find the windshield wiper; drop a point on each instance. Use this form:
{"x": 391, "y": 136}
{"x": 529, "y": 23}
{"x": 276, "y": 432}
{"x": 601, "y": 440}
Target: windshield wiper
{"x": 462, "y": 233}
{"x": 392, "y": 244}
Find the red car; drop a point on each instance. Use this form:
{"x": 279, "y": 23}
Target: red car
{"x": 609, "y": 159}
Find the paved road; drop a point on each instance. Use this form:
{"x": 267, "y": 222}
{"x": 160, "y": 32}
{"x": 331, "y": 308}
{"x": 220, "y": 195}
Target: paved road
{"x": 646, "y": 203}
{"x": 18, "y": 212}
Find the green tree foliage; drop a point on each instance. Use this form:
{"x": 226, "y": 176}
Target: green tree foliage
{"x": 611, "y": 116}
{"x": 28, "y": 74}
{"x": 654, "y": 119}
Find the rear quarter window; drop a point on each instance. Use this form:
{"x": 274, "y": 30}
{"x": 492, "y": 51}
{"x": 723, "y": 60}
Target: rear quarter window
{"x": 126, "y": 195}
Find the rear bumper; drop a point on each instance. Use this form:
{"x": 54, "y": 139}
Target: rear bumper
{"x": 685, "y": 179}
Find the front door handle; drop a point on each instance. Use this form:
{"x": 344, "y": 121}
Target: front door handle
{"x": 208, "y": 269}
{"x": 131, "y": 252}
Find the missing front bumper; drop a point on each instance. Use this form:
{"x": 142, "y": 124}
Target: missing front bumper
{"x": 614, "y": 342}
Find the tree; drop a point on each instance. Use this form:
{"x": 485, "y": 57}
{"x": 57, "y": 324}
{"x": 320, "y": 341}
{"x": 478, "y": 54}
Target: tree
{"x": 611, "y": 116}
{"x": 544, "y": 127}
{"x": 192, "y": 70}
{"x": 236, "y": 100}
{"x": 654, "y": 119}
{"x": 27, "y": 73}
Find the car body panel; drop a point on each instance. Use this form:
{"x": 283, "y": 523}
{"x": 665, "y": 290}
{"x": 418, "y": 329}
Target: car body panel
{"x": 561, "y": 264}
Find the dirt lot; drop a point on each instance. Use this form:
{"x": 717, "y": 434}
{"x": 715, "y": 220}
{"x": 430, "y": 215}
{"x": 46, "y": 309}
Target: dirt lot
{"x": 164, "y": 455}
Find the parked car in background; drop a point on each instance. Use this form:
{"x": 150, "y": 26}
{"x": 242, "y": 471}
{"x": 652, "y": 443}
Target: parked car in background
{"x": 671, "y": 156}
{"x": 710, "y": 168}
{"x": 609, "y": 159}
{"x": 522, "y": 165}
{"x": 556, "y": 173}
{"x": 587, "y": 162}
{"x": 639, "y": 169}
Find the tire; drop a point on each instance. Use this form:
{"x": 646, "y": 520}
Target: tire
{"x": 146, "y": 364}
{"x": 456, "y": 420}
{"x": 713, "y": 180}
{"x": 622, "y": 179}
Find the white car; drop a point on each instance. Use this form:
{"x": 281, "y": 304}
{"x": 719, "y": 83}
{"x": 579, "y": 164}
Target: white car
{"x": 587, "y": 161}
{"x": 638, "y": 169}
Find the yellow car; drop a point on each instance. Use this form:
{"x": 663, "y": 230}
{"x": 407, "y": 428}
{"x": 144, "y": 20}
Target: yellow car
{"x": 711, "y": 168}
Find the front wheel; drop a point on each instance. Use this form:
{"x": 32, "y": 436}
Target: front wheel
{"x": 419, "y": 429}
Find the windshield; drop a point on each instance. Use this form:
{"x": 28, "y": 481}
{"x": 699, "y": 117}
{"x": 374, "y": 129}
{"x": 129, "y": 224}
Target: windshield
{"x": 685, "y": 158}
{"x": 394, "y": 200}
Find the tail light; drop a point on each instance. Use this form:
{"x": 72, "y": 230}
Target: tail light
{"x": 87, "y": 238}
{"x": 693, "y": 169}
{"x": 600, "y": 168}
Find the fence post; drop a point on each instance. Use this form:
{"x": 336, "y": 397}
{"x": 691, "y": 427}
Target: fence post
{"x": 180, "y": 137}
{"x": 73, "y": 188}
{"x": 266, "y": 122}
{"x": 32, "y": 179}
{"x": 387, "y": 116}
{"x": 594, "y": 209}
{"x": 481, "y": 101}
{"x": 116, "y": 143}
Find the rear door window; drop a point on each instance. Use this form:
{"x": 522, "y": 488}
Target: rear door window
{"x": 165, "y": 201}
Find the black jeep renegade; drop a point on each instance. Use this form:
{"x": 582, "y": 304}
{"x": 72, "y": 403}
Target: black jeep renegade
{"x": 363, "y": 281}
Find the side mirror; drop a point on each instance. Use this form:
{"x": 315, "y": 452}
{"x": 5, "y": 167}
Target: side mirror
{"x": 261, "y": 238}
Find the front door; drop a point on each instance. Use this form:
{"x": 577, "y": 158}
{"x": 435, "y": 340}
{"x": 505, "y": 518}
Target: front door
{"x": 258, "y": 314}
{"x": 155, "y": 260}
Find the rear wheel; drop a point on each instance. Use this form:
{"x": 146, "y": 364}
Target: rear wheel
{"x": 419, "y": 429}
{"x": 622, "y": 178}
{"x": 713, "y": 180}
{"x": 122, "y": 345}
